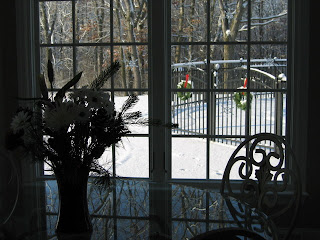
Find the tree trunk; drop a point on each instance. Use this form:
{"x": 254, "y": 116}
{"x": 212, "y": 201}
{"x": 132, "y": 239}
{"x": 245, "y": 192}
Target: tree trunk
{"x": 180, "y": 29}
{"x": 228, "y": 54}
{"x": 101, "y": 19}
{"x": 121, "y": 50}
{"x": 230, "y": 31}
{"x": 131, "y": 38}
{"x": 190, "y": 50}
{"x": 48, "y": 30}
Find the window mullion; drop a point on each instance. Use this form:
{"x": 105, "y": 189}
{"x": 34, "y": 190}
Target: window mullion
{"x": 158, "y": 84}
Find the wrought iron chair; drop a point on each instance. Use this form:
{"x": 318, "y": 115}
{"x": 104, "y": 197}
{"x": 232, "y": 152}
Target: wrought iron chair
{"x": 267, "y": 168}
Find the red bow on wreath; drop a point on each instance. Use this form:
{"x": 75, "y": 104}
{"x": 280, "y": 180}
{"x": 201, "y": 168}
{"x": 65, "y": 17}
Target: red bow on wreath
{"x": 186, "y": 83}
{"x": 245, "y": 84}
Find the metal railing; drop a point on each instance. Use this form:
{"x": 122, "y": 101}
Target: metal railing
{"x": 267, "y": 109}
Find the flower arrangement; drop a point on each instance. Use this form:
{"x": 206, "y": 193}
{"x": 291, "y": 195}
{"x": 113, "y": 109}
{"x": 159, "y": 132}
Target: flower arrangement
{"x": 72, "y": 130}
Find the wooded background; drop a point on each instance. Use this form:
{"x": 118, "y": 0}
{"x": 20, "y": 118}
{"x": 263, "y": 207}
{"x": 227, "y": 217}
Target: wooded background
{"x": 103, "y": 31}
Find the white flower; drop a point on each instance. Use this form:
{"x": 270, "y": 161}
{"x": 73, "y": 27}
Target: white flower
{"x": 91, "y": 98}
{"x": 98, "y": 99}
{"x": 59, "y": 117}
{"x": 20, "y": 121}
{"x": 81, "y": 113}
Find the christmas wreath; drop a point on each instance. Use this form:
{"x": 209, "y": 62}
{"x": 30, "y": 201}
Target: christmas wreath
{"x": 184, "y": 85}
{"x": 240, "y": 98}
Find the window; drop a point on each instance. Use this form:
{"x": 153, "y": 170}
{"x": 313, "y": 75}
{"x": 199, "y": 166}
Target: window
{"x": 228, "y": 79}
{"x": 87, "y": 36}
{"x": 217, "y": 68}
{"x": 163, "y": 98}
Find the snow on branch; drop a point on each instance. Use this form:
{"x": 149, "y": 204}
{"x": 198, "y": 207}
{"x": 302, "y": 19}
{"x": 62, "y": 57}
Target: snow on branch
{"x": 283, "y": 13}
{"x": 270, "y": 18}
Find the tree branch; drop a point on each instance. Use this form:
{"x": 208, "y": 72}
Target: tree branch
{"x": 284, "y": 13}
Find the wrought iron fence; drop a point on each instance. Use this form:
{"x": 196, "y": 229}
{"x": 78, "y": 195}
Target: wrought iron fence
{"x": 267, "y": 108}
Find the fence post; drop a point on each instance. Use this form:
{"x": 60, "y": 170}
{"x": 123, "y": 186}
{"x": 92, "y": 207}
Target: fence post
{"x": 279, "y": 108}
{"x": 213, "y": 104}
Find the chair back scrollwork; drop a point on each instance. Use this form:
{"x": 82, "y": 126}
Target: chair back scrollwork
{"x": 268, "y": 173}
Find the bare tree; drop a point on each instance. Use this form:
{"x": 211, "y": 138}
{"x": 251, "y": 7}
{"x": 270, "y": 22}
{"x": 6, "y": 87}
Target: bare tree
{"x": 230, "y": 22}
{"x": 133, "y": 14}
{"x": 55, "y": 28}
{"x": 122, "y": 55}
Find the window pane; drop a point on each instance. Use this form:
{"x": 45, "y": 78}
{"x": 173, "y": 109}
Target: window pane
{"x": 141, "y": 105}
{"x": 221, "y": 150}
{"x": 230, "y": 113}
{"x": 62, "y": 62}
{"x": 189, "y": 60}
{"x": 132, "y": 198}
{"x": 188, "y": 202}
{"x": 134, "y": 66}
{"x": 267, "y": 109}
{"x": 220, "y": 154}
{"x": 92, "y": 61}
{"x": 52, "y": 197}
{"x": 130, "y": 21}
{"x": 93, "y": 21}
{"x": 228, "y": 18}
{"x": 268, "y": 113}
{"x": 188, "y": 21}
{"x": 106, "y": 160}
{"x": 132, "y": 157}
{"x": 189, "y": 111}
{"x": 55, "y": 22}
{"x": 228, "y": 64}
{"x": 103, "y": 228}
{"x": 189, "y": 158}
{"x": 194, "y": 229}
{"x": 270, "y": 70}
{"x": 51, "y": 225}
{"x": 100, "y": 200}
{"x": 132, "y": 229}
{"x": 269, "y": 21}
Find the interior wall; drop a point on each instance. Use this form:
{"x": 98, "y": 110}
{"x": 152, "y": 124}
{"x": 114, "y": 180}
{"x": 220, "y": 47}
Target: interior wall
{"x": 8, "y": 67}
{"x": 9, "y": 90}
{"x": 312, "y": 207}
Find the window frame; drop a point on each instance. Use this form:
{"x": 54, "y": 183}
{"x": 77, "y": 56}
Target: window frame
{"x": 74, "y": 44}
{"x": 159, "y": 158}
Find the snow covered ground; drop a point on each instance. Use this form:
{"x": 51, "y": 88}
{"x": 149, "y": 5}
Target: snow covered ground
{"x": 188, "y": 154}
{"x": 188, "y": 158}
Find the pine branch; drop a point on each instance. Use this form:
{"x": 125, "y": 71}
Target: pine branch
{"x": 102, "y": 175}
{"x": 104, "y": 76}
{"x": 131, "y": 116}
{"x": 129, "y": 103}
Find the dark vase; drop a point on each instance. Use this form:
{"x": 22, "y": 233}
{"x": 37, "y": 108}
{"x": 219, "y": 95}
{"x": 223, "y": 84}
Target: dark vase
{"x": 73, "y": 218}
